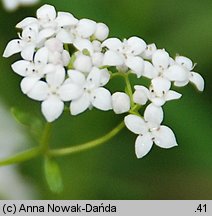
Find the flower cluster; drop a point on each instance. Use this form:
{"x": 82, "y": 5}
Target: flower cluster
{"x": 11, "y": 5}
{"x": 67, "y": 61}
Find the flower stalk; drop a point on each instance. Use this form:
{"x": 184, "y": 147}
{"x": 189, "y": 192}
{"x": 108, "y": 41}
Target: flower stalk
{"x": 43, "y": 149}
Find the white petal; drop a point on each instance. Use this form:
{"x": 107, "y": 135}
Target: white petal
{"x": 64, "y": 36}
{"x": 66, "y": 19}
{"x": 176, "y": 73}
{"x": 97, "y": 45}
{"x": 113, "y": 58}
{"x": 45, "y": 33}
{"x": 49, "y": 68}
{"x": 101, "y": 99}
{"x": 153, "y": 114}
{"x": 157, "y": 101}
{"x": 160, "y": 86}
{"x": 136, "y": 45}
{"x": 82, "y": 44}
{"x": 83, "y": 63}
{"x": 149, "y": 70}
{"x": 41, "y": 56}
{"x": 98, "y": 77}
{"x": 104, "y": 77}
{"x": 86, "y": 28}
{"x": 69, "y": 92}
{"x": 52, "y": 108}
{"x": 120, "y": 102}
{"x": 136, "y": 64}
{"x": 113, "y": 44}
{"x": 164, "y": 137}
{"x": 20, "y": 67}
{"x": 143, "y": 145}
{"x": 26, "y": 22}
{"x": 172, "y": 95}
{"x": 184, "y": 61}
{"x": 54, "y": 45}
{"x": 66, "y": 57}
{"x": 14, "y": 46}
{"x": 160, "y": 60}
{"x": 150, "y": 49}
{"x": 197, "y": 80}
{"x": 46, "y": 12}
{"x": 28, "y": 52}
{"x": 55, "y": 79}
{"x": 39, "y": 91}
{"x": 80, "y": 105}
{"x": 135, "y": 124}
{"x": 28, "y": 83}
{"x": 181, "y": 84}
{"x": 94, "y": 76}
{"x": 102, "y": 32}
{"x": 97, "y": 59}
{"x": 77, "y": 77}
{"x": 140, "y": 95}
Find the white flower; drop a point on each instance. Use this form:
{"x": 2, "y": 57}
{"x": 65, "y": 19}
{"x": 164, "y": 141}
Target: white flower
{"x": 149, "y": 51}
{"x": 52, "y": 25}
{"x": 160, "y": 63}
{"x": 55, "y": 53}
{"x": 181, "y": 73}
{"x": 160, "y": 91}
{"x": 89, "y": 91}
{"x": 26, "y": 44}
{"x": 140, "y": 95}
{"x": 52, "y": 93}
{"x": 66, "y": 22}
{"x": 46, "y": 16}
{"x": 125, "y": 53}
{"x": 120, "y": 102}
{"x": 11, "y": 5}
{"x": 150, "y": 130}
{"x": 93, "y": 49}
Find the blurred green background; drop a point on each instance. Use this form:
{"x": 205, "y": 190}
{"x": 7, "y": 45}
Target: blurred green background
{"x": 112, "y": 171}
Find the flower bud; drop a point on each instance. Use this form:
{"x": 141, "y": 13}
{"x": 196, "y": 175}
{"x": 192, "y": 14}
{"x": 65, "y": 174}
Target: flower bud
{"x": 102, "y": 32}
{"x": 140, "y": 95}
{"x": 120, "y": 102}
{"x": 83, "y": 63}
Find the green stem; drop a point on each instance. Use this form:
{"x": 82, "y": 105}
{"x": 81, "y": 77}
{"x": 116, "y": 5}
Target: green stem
{"x": 129, "y": 89}
{"x": 88, "y": 145}
{"x": 31, "y": 153}
{"x": 21, "y": 157}
{"x": 44, "y": 142}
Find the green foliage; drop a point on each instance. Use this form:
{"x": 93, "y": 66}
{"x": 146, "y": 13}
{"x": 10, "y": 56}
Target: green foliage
{"x": 53, "y": 175}
{"x": 34, "y": 124}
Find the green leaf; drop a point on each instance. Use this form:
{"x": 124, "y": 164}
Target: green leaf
{"x": 35, "y": 124}
{"x": 20, "y": 116}
{"x": 53, "y": 175}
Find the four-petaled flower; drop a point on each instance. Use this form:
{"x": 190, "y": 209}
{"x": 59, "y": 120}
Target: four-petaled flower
{"x": 54, "y": 92}
{"x": 150, "y": 130}
{"x": 126, "y": 53}
{"x": 89, "y": 91}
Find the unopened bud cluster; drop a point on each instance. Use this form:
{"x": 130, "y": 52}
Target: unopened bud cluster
{"x": 69, "y": 62}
